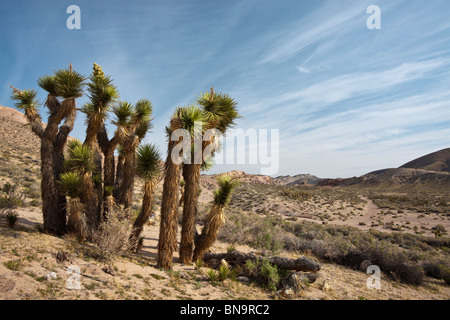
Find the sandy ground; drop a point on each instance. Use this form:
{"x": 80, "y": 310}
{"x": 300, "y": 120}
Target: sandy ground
{"x": 136, "y": 276}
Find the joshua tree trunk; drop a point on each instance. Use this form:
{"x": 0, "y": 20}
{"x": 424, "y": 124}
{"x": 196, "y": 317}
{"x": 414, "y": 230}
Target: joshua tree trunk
{"x": 76, "y": 222}
{"x": 169, "y": 210}
{"x": 125, "y": 186}
{"x": 109, "y": 164}
{"x": 53, "y": 140}
{"x": 119, "y": 176}
{"x": 125, "y": 191}
{"x": 209, "y": 233}
{"x": 53, "y": 208}
{"x": 191, "y": 175}
{"x": 144, "y": 215}
{"x": 89, "y": 199}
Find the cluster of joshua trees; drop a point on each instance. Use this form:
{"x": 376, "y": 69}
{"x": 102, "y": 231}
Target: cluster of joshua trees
{"x": 83, "y": 182}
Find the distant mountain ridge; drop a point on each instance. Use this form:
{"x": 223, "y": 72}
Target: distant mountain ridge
{"x": 432, "y": 169}
{"x": 436, "y": 161}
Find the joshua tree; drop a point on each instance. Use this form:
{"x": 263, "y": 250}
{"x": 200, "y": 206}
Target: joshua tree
{"x": 220, "y": 113}
{"x": 149, "y": 168}
{"x": 215, "y": 217}
{"x": 102, "y": 94}
{"x": 183, "y": 118}
{"x": 136, "y": 129}
{"x": 68, "y": 85}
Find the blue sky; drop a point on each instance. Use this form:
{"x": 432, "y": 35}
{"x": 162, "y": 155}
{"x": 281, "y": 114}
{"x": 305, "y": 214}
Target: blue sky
{"x": 347, "y": 100}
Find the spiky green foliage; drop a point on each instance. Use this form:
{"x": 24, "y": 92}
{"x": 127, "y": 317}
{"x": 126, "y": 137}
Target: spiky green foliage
{"x": 73, "y": 143}
{"x": 102, "y": 93}
{"x": 109, "y": 190}
{"x": 49, "y": 84}
{"x": 71, "y": 183}
{"x": 188, "y": 116}
{"x": 207, "y": 164}
{"x": 123, "y": 112}
{"x": 69, "y": 83}
{"x": 81, "y": 159}
{"x": 142, "y": 129}
{"x": 220, "y": 110}
{"x": 222, "y": 195}
{"x": 142, "y": 111}
{"x": 148, "y": 162}
{"x": 26, "y": 101}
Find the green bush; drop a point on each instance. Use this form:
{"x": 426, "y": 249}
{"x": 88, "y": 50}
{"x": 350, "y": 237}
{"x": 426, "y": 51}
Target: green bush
{"x": 11, "y": 218}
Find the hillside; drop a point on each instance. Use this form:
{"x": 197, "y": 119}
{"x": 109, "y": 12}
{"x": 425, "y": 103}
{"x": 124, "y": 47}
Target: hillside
{"x": 431, "y": 171}
{"x": 395, "y": 178}
{"x": 299, "y": 179}
{"x": 15, "y": 132}
{"x": 436, "y": 161}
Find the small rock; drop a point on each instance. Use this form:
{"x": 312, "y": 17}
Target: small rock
{"x": 325, "y": 286}
{"x": 109, "y": 270}
{"x": 64, "y": 256}
{"x": 185, "y": 276}
{"x": 224, "y": 263}
{"x": 202, "y": 278}
{"x": 51, "y": 276}
{"x": 243, "y": 279}
{"x": 16, "y": 235}
{"x": 289, "y": 292}
{"x": 364, "y": 265}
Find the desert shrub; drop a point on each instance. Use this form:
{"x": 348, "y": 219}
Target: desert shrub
{"x": 445, "y": 272}
{"x": 13, "y": 198}
{"x": 7, "y": 188}
{"x": 231, "y": 248}
{"x": 212, "y": 275}
{"x": 439, "y": 230}
{"x": 437, "y": 269}
{"x": 13, "y": 265}
{"x": 199, "y": 264}
{"x": 264, "y": 272}
{"x": 298, "y": 195}
{"x": 224, "y": 273}
{"x": 111, "y": 238}
{"x": 271, "y": 273}
{"x": 39, "y": 227}
{"x": 11, "y": 218}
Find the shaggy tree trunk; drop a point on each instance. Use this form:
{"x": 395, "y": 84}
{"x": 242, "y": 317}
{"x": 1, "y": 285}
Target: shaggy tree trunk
{"x": 209, "y": 232}
{"x": 53, "y": 207}
{"x": 108, "y": 148}
{"x": 191, "y": 175}
{"x": 144, "y": 215}
{"x": 76, "y": 223}
{"x": 236, "y": 257}
{"x": 119, "y": 177}
{"x": 124, "y": 194}
{"x": 59, "y": 144}
{"x": 167, "y": 243}
{"x": 53, "y": 140}
{"x": 89, "y": 199}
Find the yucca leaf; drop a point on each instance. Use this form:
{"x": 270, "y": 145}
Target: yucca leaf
{"x": 148, "y": 164}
